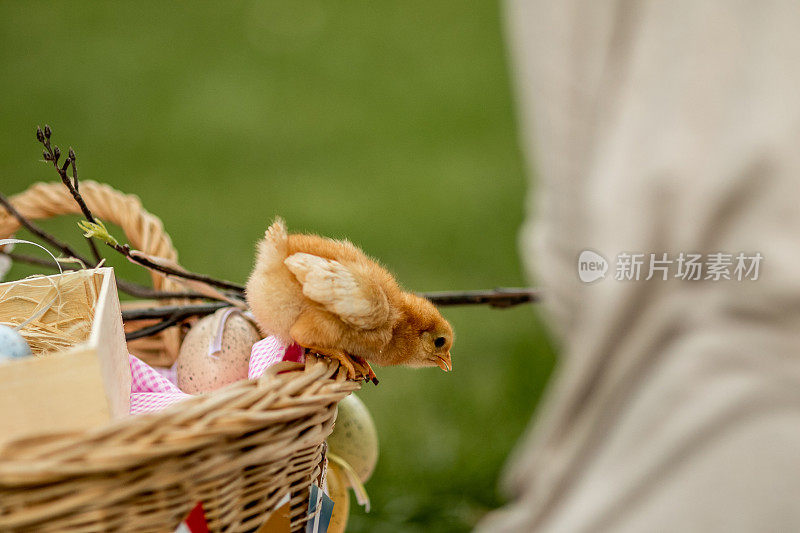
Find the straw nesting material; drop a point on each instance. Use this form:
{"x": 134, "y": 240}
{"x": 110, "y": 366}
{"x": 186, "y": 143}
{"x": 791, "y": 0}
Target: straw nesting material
{"x": 59, "y": 310}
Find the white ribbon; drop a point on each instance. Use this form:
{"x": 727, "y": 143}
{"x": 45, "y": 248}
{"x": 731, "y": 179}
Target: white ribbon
{"x": 352, "y": 478}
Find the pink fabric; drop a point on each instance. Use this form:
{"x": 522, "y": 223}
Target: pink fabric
{"x": 269, "y": 351}
{"x": 145, "y": 378}
{"x": 168, "y": 373}
{"x": 152, "y": 391}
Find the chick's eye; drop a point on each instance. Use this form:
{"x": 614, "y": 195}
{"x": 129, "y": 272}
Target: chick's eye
{"x": 439, "y": 342}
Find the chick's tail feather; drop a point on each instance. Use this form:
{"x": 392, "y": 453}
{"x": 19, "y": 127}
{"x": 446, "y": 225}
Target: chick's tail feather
{"x": 274, "y": 248}
{"x": 271, "y": 291}
{"x": 276, "y": 233}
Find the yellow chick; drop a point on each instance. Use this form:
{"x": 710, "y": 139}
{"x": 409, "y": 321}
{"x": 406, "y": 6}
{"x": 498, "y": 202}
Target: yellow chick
{"x": 330, "y": 298}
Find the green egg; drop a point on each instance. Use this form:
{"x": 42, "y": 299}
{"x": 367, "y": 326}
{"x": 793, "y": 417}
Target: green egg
{"x": 354, "y": 437}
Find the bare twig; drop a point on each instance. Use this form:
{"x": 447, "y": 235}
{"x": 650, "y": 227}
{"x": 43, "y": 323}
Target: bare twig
{"x": 94, "y": 250}
{"x": 155, "y": 328}
{"x": 140, "y": 259}
{"x": 131, "y": 315}
{"x": 141, "y": 291}
{"x": 31, "y": 260}
{"x": 172, "y": 316}
{"x": 73, "y": 159}
{"x": 500, "y": 297}
{"x": 52, "y": 154}
{"x": 128, "y": 287}
{"x": 65, "y": 248}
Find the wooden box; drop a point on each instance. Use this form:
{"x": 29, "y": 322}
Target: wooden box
{"x": 67, "y": 385}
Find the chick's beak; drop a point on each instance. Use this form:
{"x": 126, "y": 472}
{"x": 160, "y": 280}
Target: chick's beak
{"x": 445, "y": 362}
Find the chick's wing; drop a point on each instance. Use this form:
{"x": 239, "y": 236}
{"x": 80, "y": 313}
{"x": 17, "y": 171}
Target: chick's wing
{"x": 346, "y": 290}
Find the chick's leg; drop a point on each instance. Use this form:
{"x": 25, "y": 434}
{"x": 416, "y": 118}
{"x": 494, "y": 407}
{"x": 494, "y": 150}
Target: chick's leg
{"x": 309, "y": 332}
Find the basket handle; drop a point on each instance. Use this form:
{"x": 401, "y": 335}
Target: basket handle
{"x": 143, "y": 230}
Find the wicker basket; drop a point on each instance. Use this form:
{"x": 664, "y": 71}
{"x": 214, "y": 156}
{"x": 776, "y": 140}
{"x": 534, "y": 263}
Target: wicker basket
{"x": 238, "y": 450}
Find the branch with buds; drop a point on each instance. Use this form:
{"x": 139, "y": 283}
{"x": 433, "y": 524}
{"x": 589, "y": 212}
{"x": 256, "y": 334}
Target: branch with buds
{"x": 94, "y": 228}
{"x": 53, "y": 153}
{"x": 168, "y": 316}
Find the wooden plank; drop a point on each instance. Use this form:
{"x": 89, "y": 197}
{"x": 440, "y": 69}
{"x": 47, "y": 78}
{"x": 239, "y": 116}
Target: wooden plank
{"x": 108, "y": 340}
{"x": 60, "y": 392}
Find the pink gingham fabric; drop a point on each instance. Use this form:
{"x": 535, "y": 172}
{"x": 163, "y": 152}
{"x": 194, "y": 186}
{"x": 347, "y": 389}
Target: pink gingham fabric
{"x": 269, "y": 351}
{"x": 152, "y": 391}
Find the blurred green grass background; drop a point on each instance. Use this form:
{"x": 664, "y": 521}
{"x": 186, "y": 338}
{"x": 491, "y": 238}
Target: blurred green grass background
{"x": 387, "y": 123}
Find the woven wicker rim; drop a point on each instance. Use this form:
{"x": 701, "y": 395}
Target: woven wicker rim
{"x": 292, "y": 390}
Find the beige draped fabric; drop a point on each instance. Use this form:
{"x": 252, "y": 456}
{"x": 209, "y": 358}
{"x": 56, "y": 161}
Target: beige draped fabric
{"x": 661, "y": 127}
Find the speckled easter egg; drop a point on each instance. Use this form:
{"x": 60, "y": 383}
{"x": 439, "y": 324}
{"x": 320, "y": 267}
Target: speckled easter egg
{"x": 12, "y": 345}
{"x": 198, "y": 371}
{"x": 354, "y": 437}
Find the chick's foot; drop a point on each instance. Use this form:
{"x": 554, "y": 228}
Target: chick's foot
{"x": 338, "y": 355}
{"x": 365, "y": 369}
